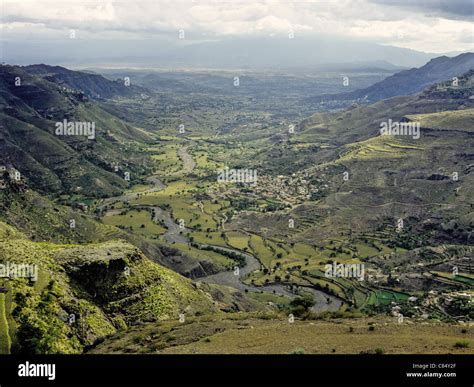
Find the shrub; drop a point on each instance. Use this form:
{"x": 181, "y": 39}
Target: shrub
{"x": 137, "y": 339}
{"x": 461, "y": 344}
{"x": 305, "y": 301}
{"x": 298, "y": 351}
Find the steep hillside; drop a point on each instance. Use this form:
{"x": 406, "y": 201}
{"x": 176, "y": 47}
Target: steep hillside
{"x": 83, "y": 293}
{"x": 92, "y": 85}
{"x": 363, "y": 121}
{"x": 40, "y": 219}
{"x": 409, "y": 82}
{"x": 426, "y": 180}
{"x": 30, "y": 110}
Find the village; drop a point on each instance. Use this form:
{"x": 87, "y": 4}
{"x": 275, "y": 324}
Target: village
{"x": 290, "y": 190}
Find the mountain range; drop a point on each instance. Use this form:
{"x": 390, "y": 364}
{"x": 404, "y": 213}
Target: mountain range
{"x": 127, "y": 290}
{"x": 408, "y": 82}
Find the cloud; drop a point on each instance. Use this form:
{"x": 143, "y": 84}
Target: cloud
{"x": 447, "y": 9}
{"x": 425, "y": 25}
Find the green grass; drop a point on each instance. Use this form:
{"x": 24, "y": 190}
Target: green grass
{"x": 5, "y": 341}
{"x": 237, "y": 240}
{"x": 447, "y": 120}
{"x": 263, "y": 253}
{"x": 211, "y": 238}
{"x": 360, "y": 297}
{"x": 366, "y": 251}
{"x": 191, "y": 213}
{"x": 139, "y": 188}
{"x": 371, "y": 149}
{"x": 136, "y": 219}
{"x": 166, "y": 157}
{"x": 385, "y": 297}
{"x": 463, "y": 278}
{"x": 12, "y": 325}
{"x": 303, "y": 249}
{"x": 197, "y": 254}
{"x": 402, "y": 146}
{"x": 204, "y": 164}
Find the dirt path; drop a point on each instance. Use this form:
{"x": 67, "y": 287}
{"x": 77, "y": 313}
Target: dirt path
{"x": 173, "y": 231}
{"x": 188, "y": 162}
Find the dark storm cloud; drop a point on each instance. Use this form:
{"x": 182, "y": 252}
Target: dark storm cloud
{"x": 448, "y": 9}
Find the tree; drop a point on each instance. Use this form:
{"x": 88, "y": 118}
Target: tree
{"x": 301, "y": 305}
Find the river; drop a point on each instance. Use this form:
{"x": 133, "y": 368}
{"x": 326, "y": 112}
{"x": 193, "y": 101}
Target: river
{"x": 226, "y": 278}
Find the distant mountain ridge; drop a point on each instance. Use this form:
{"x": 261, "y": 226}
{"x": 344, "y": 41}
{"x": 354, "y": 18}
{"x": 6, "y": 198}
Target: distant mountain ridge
{"x": 408, "y": 82}
{"x": 92, "y": 85}
{"x": 360, "y": 66}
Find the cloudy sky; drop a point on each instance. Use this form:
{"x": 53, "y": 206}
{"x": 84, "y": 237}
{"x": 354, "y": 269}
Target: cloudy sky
{"x": 434, "y": 26}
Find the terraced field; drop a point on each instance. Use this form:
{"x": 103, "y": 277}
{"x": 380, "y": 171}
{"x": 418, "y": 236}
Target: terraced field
{"x": 459, "y": 120}
{"x": 139, "y": 221}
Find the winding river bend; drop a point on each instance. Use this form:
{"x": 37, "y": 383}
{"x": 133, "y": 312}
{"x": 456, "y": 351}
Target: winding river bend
{"x": 323, "y": 301}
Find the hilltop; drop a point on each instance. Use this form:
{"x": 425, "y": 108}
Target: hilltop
{"x": 92, "y": 85}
